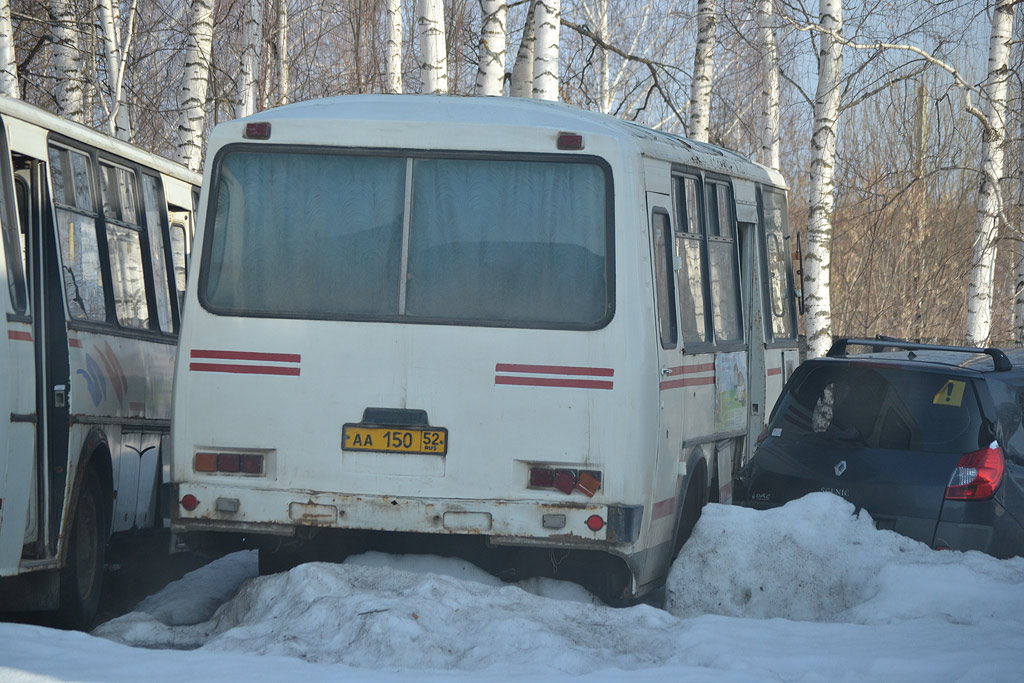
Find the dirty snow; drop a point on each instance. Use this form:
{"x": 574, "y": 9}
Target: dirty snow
{"x": 806, "y": 592}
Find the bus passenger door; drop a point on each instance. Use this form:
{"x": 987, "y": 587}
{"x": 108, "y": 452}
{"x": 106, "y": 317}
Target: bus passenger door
{"x": 751, "y": 273}
{"x": 671, "y": 420}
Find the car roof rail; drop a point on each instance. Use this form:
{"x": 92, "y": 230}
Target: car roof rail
{"x": 999, "y": 359}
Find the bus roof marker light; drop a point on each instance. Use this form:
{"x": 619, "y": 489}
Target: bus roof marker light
{"x": 570, "y": 141}
{"x": 257, "y": 131}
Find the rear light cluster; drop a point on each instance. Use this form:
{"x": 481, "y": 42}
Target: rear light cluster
{"x": 977, "y": 475}
{"x": 587, "y": 482}
{"x": 229, "y": 463}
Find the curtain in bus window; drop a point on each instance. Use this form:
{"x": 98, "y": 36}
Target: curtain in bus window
{"x": 508, "y": 241}
{"x": 779, "y": 295}
{"x": 155, "y": 232}
{"x": 691, "y": 291}
{"x": 127, "y": 280}
{"x": 307, "y": 234}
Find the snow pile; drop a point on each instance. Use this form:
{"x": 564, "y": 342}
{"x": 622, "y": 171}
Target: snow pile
{"x": 813, "y": 560}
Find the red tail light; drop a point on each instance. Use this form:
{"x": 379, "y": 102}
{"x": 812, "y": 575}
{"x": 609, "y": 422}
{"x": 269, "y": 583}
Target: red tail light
{"x": 977, "y": 475}
{"x": 762, "y": 436}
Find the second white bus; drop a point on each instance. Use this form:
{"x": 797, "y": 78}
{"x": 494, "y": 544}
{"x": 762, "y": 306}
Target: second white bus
{"x": 491, "y": 320}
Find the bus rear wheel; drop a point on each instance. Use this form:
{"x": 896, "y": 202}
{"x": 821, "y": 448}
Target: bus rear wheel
{"x": 82, "y": 576}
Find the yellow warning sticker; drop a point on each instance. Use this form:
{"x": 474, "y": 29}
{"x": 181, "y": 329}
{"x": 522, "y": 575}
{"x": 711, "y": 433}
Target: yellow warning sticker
{"x": 951, "y": 393}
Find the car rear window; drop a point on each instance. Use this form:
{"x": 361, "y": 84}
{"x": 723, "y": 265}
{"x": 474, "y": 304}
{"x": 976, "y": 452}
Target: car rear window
{"x": 881, "y": 407}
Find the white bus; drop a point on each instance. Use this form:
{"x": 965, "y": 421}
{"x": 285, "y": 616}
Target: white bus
{"x": 492, "y": 320}
{"x": 95, "y": 237}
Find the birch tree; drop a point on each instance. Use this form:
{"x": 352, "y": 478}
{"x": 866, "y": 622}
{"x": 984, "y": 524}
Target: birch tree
{"x": 118, "y": 116}
{"x": 8, "y": 63}
{"x": 770, "y": 135}
{"x": 817, "y": 263}
{"x": 67, "y": 62}
{"x": 703, "y": 69}
{"x": 490, "y": 76}
{"x": 989, "y": 204}
{"x": 394, "y": 57}
{"x": 522, "y": 71}
{"x": 433, "y": 55}
{"x": 194, "y": 84}
{"x": 547, "y": 16}
{"x": 252, "y": 44}
{"x": 283, "y": 65}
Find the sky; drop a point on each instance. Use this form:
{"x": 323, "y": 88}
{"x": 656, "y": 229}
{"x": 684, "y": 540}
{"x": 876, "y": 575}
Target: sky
{"x": 806, "y": 592}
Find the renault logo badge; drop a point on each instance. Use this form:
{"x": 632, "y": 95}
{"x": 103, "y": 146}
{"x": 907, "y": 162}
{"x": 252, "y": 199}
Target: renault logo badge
{"x": 840, "y": 468}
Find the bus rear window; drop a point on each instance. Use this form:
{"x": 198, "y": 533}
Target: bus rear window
{"x": 346, "y": 236}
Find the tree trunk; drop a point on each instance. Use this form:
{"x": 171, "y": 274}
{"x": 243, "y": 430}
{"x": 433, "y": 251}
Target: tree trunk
{"x": 490, "y": 76}
{"x": 283, "y": 65}
{"x": 433, "y": 54}
{"x": 194, "y": 83}
{"x": 546, "y": 25}
{"x": 979, "y": 298}
{"x": 8, "y": 63}
{"x": 817, "y": 262}
{"x": 394, "y": 28}
{"x": 522, "y": 72}
{"x": 252, "y": 31}
{"x": 770, "y": 91}
{"x": 118, "y": 120}
{"x": 703, "y": 69}
{"x": 67, "y": 62}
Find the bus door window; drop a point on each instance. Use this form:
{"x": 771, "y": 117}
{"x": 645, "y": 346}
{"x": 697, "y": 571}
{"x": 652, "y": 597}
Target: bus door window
{"x": 723, "y": 263}
{"x": 158, "y": 250}
{"x": 662, "y": 229}
{"x": 72, "y": 180}
{"x": 14, "y": 245}
{"x": 690, "y": 277}
{"x": 181, "y": 220}
{"x": 780, "y": 284}
{"x": 124, "y": 243}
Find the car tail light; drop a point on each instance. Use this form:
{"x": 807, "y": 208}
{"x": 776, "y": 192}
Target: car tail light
{"x": 762, "y": 436}
{"x": 977, "y": 475}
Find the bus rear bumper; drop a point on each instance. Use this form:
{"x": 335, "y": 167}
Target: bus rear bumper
{"x": 284, "y": 512}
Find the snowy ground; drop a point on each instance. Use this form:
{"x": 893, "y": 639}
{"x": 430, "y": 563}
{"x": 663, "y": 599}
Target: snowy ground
{"x": 803, "y": 593}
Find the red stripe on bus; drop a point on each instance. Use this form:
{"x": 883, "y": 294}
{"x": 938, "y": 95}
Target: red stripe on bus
{"x": 774, "y": 371}
{"x": 554, "y": 370}
{"x": 686, "y": 382}
{"x": 246, "y": 355}
{"x": 75, "y": 343}
{"x": 663, "y": 508}
{"x": 554, "y": 382}
{"x": 21, "y": 336}
{"x": 691, "y": 369}
{"x": 244, "y": 369}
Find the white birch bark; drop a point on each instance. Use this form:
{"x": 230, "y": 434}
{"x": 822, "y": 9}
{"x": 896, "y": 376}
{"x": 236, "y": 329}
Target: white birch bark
{"x": 490, "y": 75}
{"x": 67, "y": 61}
{"x": 194, "y": 83}
{"x": 252, "y": 32}
{"x": 817, "y": 261}
{"x": 979, "y": 298}
{"x": 118, "y": 119}
{"x": 8, "y": 62}
{"x": 770, "y": 134}
{"x": 604, "y": 69}
{"x": 433, "y": 50}
{"x": 522, "y": 71}
{"x": 547, "y": 16}
{"x": 283, "y": 64}
{"x": 703, "y": 69}
{"x": 394, "y": 60}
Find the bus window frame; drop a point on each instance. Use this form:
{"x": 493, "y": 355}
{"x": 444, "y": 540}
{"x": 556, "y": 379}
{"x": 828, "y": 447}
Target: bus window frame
{"x": 210, "y": 234}
{"x": 713, "y": 180}
{"x": 13, "y": 221}
{"x": 665, "y": 275}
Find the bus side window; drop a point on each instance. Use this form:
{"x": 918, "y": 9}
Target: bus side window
{"x": 179, "y": 251}
{"x": 157, "y": 249}
{"x": 72, "y": 179}
{"x": 690, "y": 244}
{"x": 780, "y": 288}
{"x": 662, "y": 230}
{"x": 723, "y": 264}
{"x": 124, "y": 242}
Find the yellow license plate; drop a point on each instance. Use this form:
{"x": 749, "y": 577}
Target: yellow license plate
{"x": 425, "y": 440}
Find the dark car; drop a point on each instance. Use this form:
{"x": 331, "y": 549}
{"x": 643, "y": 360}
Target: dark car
{"x": 927, "y": 439}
